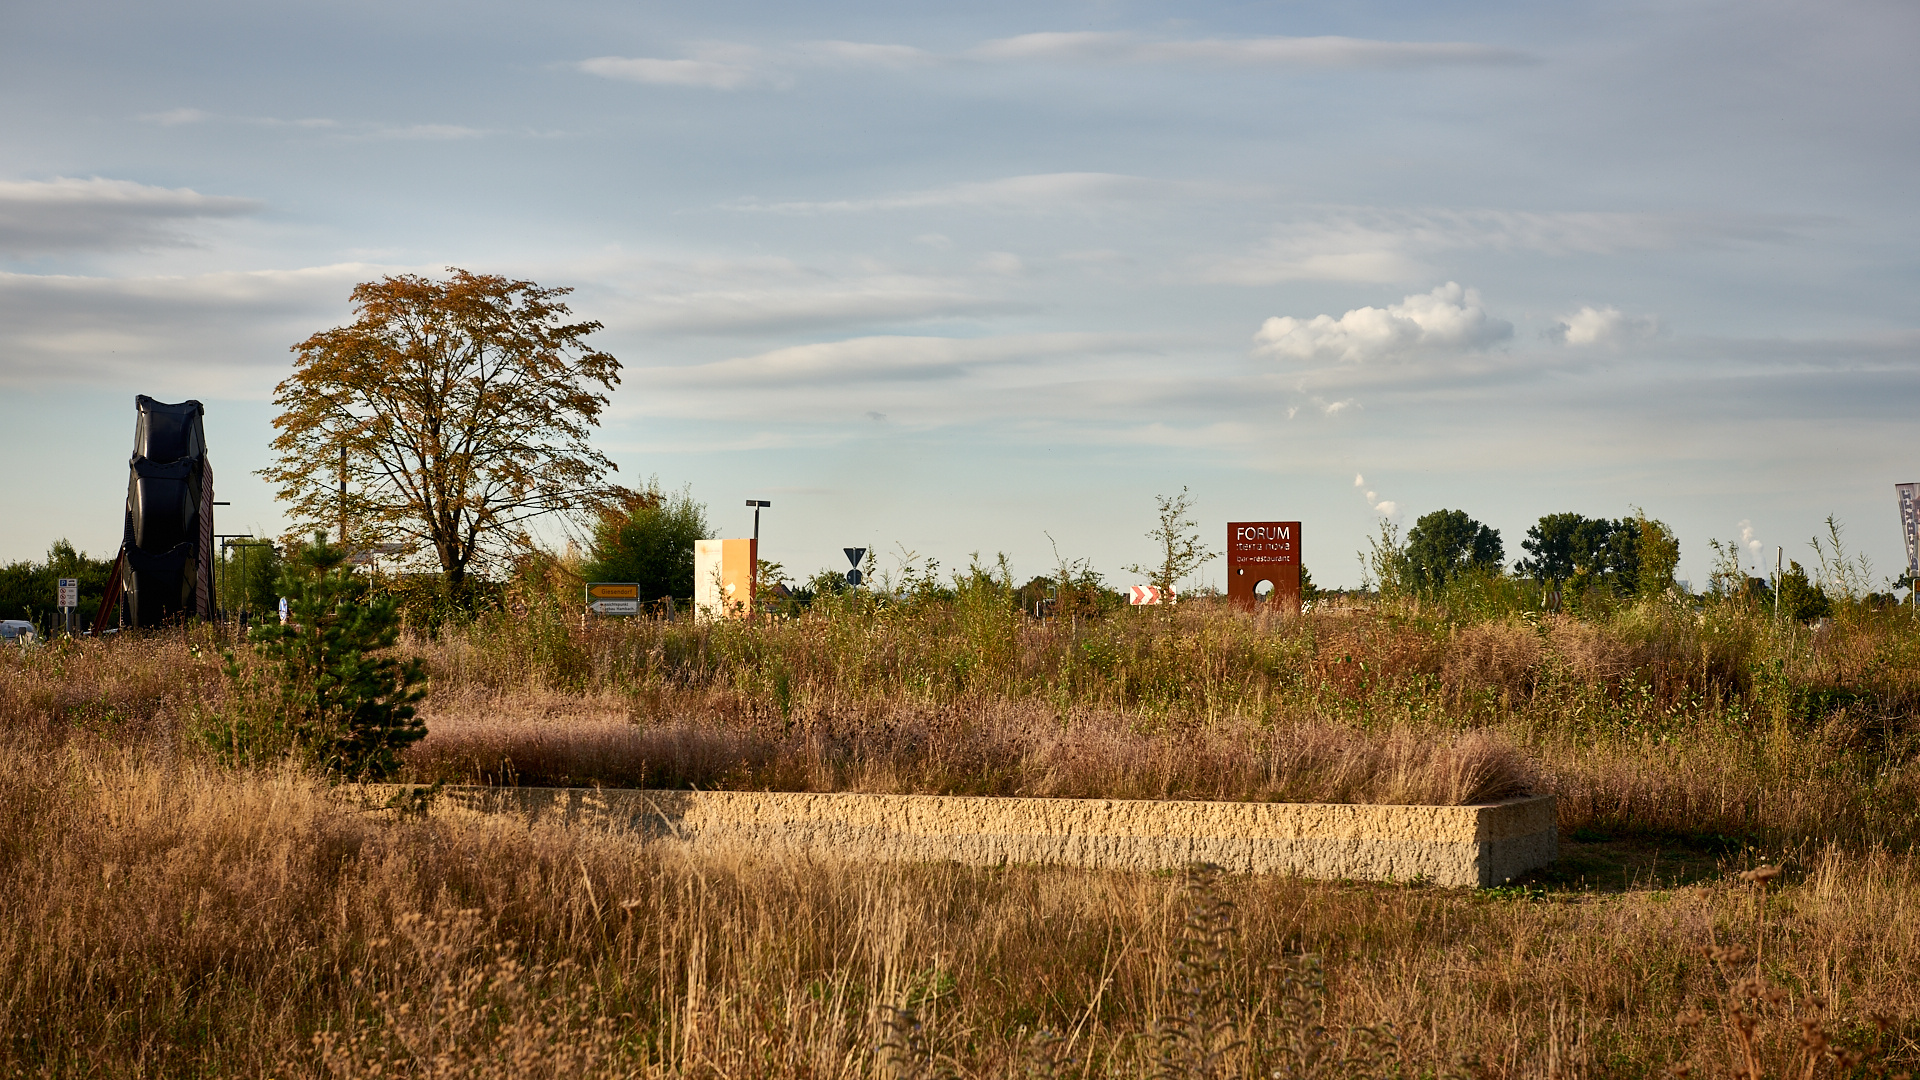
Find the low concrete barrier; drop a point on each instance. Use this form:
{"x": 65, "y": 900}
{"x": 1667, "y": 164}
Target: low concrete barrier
{"x": 1448, "y": 845}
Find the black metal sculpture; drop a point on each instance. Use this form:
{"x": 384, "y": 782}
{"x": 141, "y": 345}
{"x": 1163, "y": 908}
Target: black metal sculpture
{"x": 165, "y": 569}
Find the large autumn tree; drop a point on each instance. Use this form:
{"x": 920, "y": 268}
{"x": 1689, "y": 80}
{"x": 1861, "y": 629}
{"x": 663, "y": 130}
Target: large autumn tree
{"x": 447, "y": 416}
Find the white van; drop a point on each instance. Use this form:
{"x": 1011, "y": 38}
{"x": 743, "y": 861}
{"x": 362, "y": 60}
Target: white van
{"x": 16, "y": 630}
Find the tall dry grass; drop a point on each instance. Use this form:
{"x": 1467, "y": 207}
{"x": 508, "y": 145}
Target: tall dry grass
{"x": 164, "y": 918}
{"x": 1657, "y": 719}
{"x": 1652, "y": 719}
{"x": 1012, "y": 749}
{"x": 161, "y": 916}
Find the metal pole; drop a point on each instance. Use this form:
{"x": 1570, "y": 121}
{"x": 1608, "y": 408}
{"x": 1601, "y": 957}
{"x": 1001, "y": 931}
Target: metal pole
{"x": 217, "y": 616}
{"x": 1779, "y": 553}
{"x": 343, "y": 495}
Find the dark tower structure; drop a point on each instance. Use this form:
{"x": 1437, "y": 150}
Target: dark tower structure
{"x": 166, "y": 560}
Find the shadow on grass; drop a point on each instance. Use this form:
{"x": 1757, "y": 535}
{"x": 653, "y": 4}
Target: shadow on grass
{"x": 1592, "y": 863}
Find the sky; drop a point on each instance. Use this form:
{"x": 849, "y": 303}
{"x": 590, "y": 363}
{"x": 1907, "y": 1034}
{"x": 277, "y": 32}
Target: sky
{"x": 944, "y": 279}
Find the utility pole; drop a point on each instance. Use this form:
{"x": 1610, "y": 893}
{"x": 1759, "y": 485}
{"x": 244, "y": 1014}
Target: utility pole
{"x": 246, "y": 600}
{"x": 343, "y": 495}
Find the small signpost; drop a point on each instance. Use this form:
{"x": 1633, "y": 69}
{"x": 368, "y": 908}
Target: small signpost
{"x": 365, "y": 556}
{"x": 853, "y": 556}
{"x": 1263, "y": 552}
{"x": 1910, "y": 524}
{"x": 69, "y": 595}
{"x": 613, "y": 597}
{"x": 1910, "y": 528}
{"x": 1149, "y": 594}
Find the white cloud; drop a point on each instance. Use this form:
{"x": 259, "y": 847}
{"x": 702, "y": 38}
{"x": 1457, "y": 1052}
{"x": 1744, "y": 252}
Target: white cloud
{"x": 1033, "y": 192}
{"x": 1331, "y": 250}
{"x": 1069, "y": 383}
{"x": 364, "y": 129}
{"x": 1448, "y": 318}
{"x": 864, "y": 54}
{"x": 1058, "y": 45}
{"x": 734, "y": 298}
{"x": 717, "y": 66}
{"x": 885, "y": 358}
{"x": 1383, "y": 507}
{"x": 176, "y": 117}
{"x": 428, "y": 132}
{"x": 46, "y": 216}
{"x": 1004, "y": 263}
{"x": 1604, "y": 326}
{"x": 1344, "y": 52}
{"x": 720, "y": 65}
{"x": 1385, "y": 245}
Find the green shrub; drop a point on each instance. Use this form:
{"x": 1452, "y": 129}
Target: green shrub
{"x": 1800, "y": 599}
{"x": 650, "y": 541}
{"x": 312, "y": 688}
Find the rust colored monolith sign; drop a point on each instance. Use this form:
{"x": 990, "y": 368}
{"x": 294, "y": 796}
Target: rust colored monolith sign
{"x": 1263, "y": 552}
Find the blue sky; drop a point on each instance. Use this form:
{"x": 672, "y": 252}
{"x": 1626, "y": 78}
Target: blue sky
{"x": 947, "y": 278}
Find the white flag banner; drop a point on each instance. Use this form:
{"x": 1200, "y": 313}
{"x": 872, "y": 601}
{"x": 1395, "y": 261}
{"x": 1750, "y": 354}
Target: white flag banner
{"x": 1910, "y": 524}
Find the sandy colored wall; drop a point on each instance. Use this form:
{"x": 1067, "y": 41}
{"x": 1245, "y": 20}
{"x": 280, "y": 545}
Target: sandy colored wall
{"x": 723, "y": 578}
{"x": 1447, "y": 845}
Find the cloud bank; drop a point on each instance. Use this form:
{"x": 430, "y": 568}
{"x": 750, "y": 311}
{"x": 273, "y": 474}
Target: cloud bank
{"x": 44, "y": 217}
{"x": 888, "y": 358}
{"x": 1038, "y": 191}
{"x": 1321, "y": 52}
{"x": 1382, "y": 245}
{"x": 222, "y": 333}
{"x": 734, "y": 66}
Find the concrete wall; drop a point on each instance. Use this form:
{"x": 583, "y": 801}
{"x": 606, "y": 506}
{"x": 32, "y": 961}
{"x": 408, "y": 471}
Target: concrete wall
{"x": 1447, "y": 845}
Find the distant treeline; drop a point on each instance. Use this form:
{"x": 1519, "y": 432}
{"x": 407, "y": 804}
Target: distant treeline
{"x": 1568, "y": 558}
{"x": 28, "y": 589}
{"x": 245, "y": 579}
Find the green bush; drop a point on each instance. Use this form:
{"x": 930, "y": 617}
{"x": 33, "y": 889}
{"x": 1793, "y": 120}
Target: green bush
{"x": 650, "y": 542}
{"x": 1445, "y": 544}
{"x": 27, "y": 589}
{"x": 1800, "y": 599}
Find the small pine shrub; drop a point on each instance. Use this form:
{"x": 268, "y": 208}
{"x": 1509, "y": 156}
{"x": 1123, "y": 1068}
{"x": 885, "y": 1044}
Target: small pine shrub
{"x": 313, "y": 687}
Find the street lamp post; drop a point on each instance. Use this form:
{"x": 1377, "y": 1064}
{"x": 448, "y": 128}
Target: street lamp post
{"x": 226, "y": 543}
{"x": 755, "y": 594}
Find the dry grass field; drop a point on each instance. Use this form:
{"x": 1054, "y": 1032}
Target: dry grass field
{"x": 161, "y": 915}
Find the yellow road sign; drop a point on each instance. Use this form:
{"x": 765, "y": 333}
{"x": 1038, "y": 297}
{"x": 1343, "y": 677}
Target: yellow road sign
{"x": 612, "y": 590}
